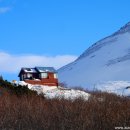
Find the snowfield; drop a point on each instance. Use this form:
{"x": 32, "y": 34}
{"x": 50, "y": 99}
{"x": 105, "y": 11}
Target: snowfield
{"x": 54, "y": 92}
{"x": 107, "y": 62}
{"x": 121, "y": 88}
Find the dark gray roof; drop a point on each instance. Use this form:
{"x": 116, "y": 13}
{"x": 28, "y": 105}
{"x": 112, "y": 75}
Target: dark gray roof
{"x": 38, "y": 70}
{"x": 31, "y": 70}
{"x": 46, "y": 69}
{"x": 27, "y": 70}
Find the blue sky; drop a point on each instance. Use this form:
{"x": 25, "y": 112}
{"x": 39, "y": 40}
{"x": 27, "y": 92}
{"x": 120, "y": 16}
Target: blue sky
{"x": 54, "y": 32}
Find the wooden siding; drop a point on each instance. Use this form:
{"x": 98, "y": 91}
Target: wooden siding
{"x": 48, "y": 82}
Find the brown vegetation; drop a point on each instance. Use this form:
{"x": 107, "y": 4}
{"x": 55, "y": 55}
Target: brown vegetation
{"x": 101, "y": 112}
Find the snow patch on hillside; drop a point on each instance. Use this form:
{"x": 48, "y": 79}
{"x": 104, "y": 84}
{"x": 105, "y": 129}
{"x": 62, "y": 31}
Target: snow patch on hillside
{"x": 121, "y": 88}
{"x": 54, "y": 92}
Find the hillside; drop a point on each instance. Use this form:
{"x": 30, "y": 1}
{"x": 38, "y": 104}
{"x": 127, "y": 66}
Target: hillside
{"x": 32, "y": 112}
{"x": 106, "y": 60}
{"x": 10, "y": 89}
{"x": 52, "y": 92}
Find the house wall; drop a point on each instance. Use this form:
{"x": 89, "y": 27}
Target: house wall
{"x": 48, "y": 82}
{"x": 34, "y": 75}
{"x": 51, "y": 75}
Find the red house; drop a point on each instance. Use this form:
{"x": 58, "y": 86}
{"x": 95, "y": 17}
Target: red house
{"x": 39, "y": 75}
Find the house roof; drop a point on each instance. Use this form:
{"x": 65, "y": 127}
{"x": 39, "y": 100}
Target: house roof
{"x": 45, "y": 69}
{"x": 29, "y": 70}
{"x": 38, "y": 70}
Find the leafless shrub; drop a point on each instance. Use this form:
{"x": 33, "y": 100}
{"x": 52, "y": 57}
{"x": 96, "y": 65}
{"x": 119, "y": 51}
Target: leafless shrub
{"x": 37, "y": 113}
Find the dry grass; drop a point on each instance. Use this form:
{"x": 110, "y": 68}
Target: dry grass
{"x": 101, "y": 112}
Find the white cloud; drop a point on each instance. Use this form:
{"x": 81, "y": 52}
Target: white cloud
{"x": 4, "y": 9}
{"x": 13, "y": 63}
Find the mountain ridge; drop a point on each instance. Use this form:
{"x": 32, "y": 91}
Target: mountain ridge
{"x": 123, "y": 29}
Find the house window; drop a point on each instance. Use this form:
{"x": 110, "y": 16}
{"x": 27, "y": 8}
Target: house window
{"x": 55, "y": 76}
{"x": 24, "y": 76}
{"x": 43, "y": 75}
{"x": 29, "y": 75}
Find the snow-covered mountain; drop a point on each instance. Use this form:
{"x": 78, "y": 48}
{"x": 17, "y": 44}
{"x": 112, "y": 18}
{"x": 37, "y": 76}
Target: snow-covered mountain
{"x": 106, "y": 60}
